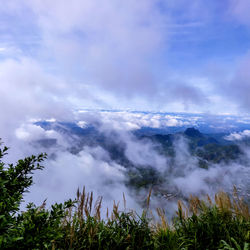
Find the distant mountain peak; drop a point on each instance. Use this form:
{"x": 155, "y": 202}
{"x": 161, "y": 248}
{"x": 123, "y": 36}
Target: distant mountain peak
{"x": 193, "y": 132}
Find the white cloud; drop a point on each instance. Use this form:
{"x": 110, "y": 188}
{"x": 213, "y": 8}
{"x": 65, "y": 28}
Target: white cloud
{"x": 27, "y": 93}
{"x": 94, "y": 38}
{"x": 64, "y": 175}
{"x": 238, "y": 136}
{"x": 110, "y": 54}
{"x": 126, "y": 120}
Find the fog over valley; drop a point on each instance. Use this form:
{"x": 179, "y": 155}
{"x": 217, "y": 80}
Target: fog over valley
{"x": 130, "y": 152}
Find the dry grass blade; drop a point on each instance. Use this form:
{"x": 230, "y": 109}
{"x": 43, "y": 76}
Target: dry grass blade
{"x": 223, "y": 201}
{"x": 107, "y": 213}
{"x": 124, "y": 201}
{"x": 115, "y": 213}
{"x": 78, "y": 193}
{"x": 81, "y": 201}
{"x": 90, "y": 202}
{"x": 98, "y": 205}
{"x": 164, "y": 224}
{"x": 209, "y": 200}
{"x": 86, "y": 209}
{"x": 149, "y": 196}
{"x": 194, "y": 204}
{"x": 182, "y": 209}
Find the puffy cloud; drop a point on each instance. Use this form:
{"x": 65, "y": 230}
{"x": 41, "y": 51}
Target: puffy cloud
{"x": 26, "y": 92}
{"x": 238, "y": 136}
{"x": 100, "y": 46}
{"x": 30, "y": 131}
{"x": 111, "y": 43}
{"x": 126, "y": 120}
{"x": 66, "y": 173}
{"x": 185, "y": 177}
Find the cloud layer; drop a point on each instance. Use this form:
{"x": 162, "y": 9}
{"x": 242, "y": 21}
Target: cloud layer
{"x": 73, "y": 162}
{"x": 128, "y": 54}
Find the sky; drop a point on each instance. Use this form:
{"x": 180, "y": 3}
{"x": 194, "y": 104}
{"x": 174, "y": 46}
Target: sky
{"x": 160, "y": 55}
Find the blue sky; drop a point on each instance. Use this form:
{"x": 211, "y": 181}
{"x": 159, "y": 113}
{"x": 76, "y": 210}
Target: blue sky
{"x": 166, "y": 55}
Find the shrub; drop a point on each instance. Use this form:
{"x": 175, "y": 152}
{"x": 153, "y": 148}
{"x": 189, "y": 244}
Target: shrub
{"x": 14, "y": 181}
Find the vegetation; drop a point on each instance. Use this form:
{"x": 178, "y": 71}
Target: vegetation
{"x": 78, "y": 224}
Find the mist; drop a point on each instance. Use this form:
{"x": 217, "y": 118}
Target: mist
{"x": 77, "y": 161}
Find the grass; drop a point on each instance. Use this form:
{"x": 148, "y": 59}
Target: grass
{"x": 219, "y": 224}
{"x": 222, "y": 224}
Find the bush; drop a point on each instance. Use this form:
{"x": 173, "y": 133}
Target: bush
{"x": 14, "y": 181}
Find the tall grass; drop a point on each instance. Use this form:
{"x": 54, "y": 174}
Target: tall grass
{"x": 200, "y": 224}
{"x": 222, "y": 224}
{"x": 85, "y": 229}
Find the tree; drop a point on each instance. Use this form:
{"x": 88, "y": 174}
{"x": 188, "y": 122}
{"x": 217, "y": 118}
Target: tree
{"x": 14, "y": 181}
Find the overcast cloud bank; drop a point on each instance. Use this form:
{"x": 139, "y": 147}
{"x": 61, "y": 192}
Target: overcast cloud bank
{"x": 127, "y": 55}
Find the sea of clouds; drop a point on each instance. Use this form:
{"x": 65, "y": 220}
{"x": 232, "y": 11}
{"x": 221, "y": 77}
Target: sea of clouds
{"x": 91, "y": 166}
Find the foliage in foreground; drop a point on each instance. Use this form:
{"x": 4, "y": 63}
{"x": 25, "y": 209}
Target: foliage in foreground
{"x": 222, "y": 224}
